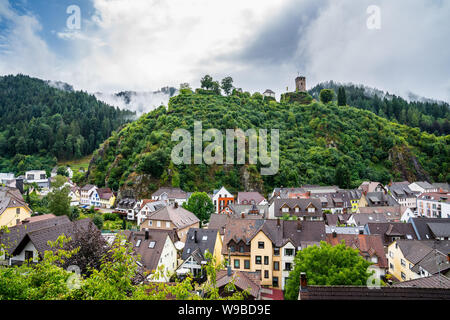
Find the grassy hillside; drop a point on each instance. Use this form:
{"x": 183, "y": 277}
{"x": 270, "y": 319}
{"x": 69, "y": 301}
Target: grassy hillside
{"x": 41, "y": 124}
{"x": 319, "y": 144}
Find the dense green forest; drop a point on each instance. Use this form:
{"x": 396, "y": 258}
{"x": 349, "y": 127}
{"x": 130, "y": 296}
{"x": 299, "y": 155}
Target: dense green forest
{"x": 319, "y": 144}
{"x": 42, "y": 124}
{"x": 433, "y": 117}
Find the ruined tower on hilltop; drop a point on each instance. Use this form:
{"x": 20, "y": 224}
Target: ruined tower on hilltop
{"x": 300, "y": 84}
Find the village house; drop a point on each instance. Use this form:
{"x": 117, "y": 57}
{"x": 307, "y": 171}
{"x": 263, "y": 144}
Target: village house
{"x": 29, "y": 241}
{"x": 377, "y": 199}
{"x": 39, "y": 177}
{"x": 442, "y": 186}
{"x": 157, "y": 250}
{"x": 269, "y": 246}
{"x": 391, "y": 213}
{"x": 431, "y": 228}
{"x": 422, "y": 187}
{"x": 172, "y": 217}
{"x": 242, "y": 280}
{"x": 390, "y": 231}
{"x": 370, "y": 248}
{"x": 269, "y": 93}
{"x": 221, "y": 199}
{"x": 145, "y": 207}
{"x": 170, "y": 195}
{"x": 304, "y": 209}
{"x": 87, "y": 194}
{"x": 247, "y": 211}
{"x": 412, "y": 259}
{"x": 198, "y": 242}
{"x": 106, "y": 198}
{"x": 75, "y": 196}
{"x": 401, "y": 192}
{"x": 6, "y": 178}
{"x": 361, "y": 219}
{"x": 371, "y": 186}
{"x": 249, "y": 198}
{"x": 13, "y": 207}
{"x": 126, "y": 207}
{"x": 434, "y": 205}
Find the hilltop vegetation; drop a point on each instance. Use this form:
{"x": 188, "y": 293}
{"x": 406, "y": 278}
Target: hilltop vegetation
{"x": 42, "y": 124}
{"x": 430, "y": 116}
{"x": 319, "y": 144}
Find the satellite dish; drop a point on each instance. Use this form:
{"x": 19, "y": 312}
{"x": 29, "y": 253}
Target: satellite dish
{"x": 179, "y": 245}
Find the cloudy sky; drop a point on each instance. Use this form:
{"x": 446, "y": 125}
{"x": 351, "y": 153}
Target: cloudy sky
{"x": 147, "y": 44}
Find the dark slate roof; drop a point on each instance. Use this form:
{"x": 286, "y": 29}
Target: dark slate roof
{"x": 391, "y": 229}
{"x": 150, "y": 256}
{"x": 368, "y": 245}
{"x": 385, "y": 199}
{"x": 179, "y": 216}
{"x": 439, "y": 229}
{"x": 401, "y": 190}
{"x": 240, "y": 230}
{"x": 422, "y": 229}
{"x": 16, "y": 234}
{"x": 42, "y": 236}
{"x": 303, "y": 204}
{"x": 87, "y": 187}
{"x": 365, "y": 293}
{"x": 364, "y": 218}
{"x": 300, "y": 233}
{"x": 201, "y": 239}
{"x": 218, "y": 221}
{"x": 435, "y": 281}
{"x": 434, "y": 262}
{"x": 175, "y": 193}
{"x": 423, "y": 252}
{"x": 243, "y": 280}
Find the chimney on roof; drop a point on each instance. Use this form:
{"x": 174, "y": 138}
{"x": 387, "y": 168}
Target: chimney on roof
{"x": 175, "y": 205}
{"x": 147, "y": 235}
{"x": 278, "y": 222}
{"x": 299, "y": 225}
{"x": 242, "y": 215}
{"x": 195, "y": 236}
{"x": 303, "y": 282}
{"x": 361, "y": 231}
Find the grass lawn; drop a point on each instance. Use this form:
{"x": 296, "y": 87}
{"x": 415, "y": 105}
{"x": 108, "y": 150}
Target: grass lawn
{"x": 75, "y": 165}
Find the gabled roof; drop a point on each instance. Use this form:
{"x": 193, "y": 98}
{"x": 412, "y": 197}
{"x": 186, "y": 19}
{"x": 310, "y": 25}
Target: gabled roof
{"x": 179, "y": 216}
{"x": 363, "y": 218}
{"x": 172, "y": 193}
{"x": 105, "y": 193}
{"x": 303, "y": 204}
{"x": 201, "y": 240}
{"x": 422, "y": 229}
{"x": 243, "y": 280}
{"x": 150, "y": 256}
{"x": 218, "y": 221}
{"x": 10, "y": 198}
{"x": 368, "y": 245}
{"x": 435, "y": 281}
{"x": 391, "y": 213}
{"x": 240, "y": 230}
{"x": 17, "y": 233}
{"x": 249, "y": 196}
{"x": 42, "y": 236}
{"x": 88, "y": 187}
{"x": 392, "y": 229}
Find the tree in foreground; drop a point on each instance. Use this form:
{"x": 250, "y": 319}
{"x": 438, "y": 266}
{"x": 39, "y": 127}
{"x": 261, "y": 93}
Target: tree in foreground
{"x": 200, "y": 204}
{"x": 327, "y": 265}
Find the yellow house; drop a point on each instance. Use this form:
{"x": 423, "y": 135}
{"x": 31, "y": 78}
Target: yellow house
{"x": 106, "y": 197}
{"x": 412, "y": 259}
{"x": 13, "y": 208}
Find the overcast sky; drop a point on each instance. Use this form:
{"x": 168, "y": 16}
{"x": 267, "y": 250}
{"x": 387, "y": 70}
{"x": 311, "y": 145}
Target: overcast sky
{"x": 147, "y": 44}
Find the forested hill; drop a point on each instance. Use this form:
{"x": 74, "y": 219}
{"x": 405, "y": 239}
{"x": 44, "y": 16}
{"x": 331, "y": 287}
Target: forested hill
{"x": 430, "y": 116}
{"x": 40, "y": 123}
{"x": 319, "y": 144}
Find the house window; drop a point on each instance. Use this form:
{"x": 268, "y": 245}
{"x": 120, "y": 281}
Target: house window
{"x": 232, "y": 248}
{"x": 237, "y": 263}
{"x": 258, "y": 259}
{"x": 403, "y": 276}
{"x": 276, "y": 251}
{"x": 391, "y": 254}
{"x": 241, "y": 249}
{"x": 266, "y": 274}
{"x": 276, "y": 265}
{"x": 18, "y": 211}
{"x": 285, "y": 209}
{"x": 288, "y": 252}
{"x": 152, "y": 244}
{"x": 158, "y": 224}
{"x": 28, "y": 255}
{"x": 391, "y": 266}
{"x": 403, "y": 263}
{"x": 260, "y": 245}
{"x": 275, "y": 282}
{"x": 246, "y": 264}
{"x": 204, "y": 238}
{"x": 167, "y": 224}
{"x": 266, "y": 260}
{"x": 287, "y": 266}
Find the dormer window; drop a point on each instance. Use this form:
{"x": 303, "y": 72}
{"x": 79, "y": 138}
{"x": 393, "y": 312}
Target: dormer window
{"x": 138, "y": 243}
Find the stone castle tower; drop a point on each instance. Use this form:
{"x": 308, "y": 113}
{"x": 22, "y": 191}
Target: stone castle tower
{"x": 300, "y": 84}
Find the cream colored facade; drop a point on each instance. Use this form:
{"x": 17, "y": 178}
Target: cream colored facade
{"x": 12, "y": 215}
{"x": 399, "y": 267}
{"x": 168, "y": 225}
